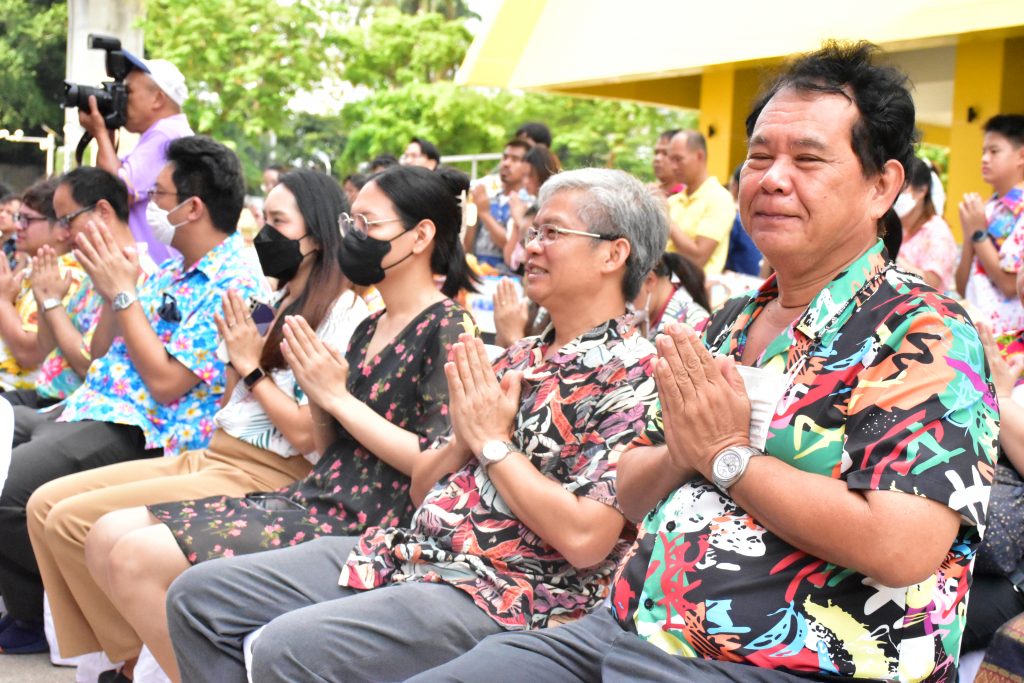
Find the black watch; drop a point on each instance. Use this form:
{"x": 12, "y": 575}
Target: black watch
{"x": 979, "y": 236}
{"x": 253, "y": 377}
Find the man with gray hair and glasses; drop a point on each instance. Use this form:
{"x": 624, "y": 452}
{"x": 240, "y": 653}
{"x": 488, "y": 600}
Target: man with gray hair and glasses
{"x": 518, "y": 524}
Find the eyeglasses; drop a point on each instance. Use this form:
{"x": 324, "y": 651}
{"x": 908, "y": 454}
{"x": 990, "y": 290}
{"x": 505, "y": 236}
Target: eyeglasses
{"x": 549, "y": 233}
{"x": 26, "y": 220}
{"x": 358, "y": 224}
{"x": 154, "y": 191}
{"x": 65, "y": 222}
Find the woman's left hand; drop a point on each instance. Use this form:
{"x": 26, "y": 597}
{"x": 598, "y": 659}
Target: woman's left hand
{"x": 242, "y": 339}
{"x": 320, "y": 370}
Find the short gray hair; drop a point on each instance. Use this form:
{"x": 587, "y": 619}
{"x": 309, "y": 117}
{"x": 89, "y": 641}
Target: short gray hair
{"x": 615, "y": 203}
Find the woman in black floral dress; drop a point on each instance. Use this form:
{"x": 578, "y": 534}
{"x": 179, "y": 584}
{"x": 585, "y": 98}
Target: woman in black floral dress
{"x": 376, "y": 407}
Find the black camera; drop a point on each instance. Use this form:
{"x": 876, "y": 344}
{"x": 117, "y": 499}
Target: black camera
{"x": 111, "y": 98}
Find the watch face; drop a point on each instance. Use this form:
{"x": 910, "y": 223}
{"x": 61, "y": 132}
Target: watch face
{"x": 728, "y": 465}
{"x": 494, "y": 450}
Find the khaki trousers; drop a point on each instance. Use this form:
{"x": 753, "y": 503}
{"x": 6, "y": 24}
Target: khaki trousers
{"x": 61, "y": 513}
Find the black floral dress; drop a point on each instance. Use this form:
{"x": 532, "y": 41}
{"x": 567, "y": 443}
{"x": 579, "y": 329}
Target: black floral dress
{"x": 349, "y": 488}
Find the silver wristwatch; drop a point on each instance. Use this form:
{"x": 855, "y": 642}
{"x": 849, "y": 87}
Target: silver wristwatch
{"x": 730, "y": 464}
{"x": 50, "y": 303}
{"x": 494, "y": 452}
{"x": 123, "y": 300}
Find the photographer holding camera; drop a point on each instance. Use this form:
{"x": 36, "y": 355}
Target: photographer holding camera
{"x": 155, "y": 92}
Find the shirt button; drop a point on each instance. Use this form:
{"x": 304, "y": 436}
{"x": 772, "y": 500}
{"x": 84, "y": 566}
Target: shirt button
{"x": 648, "y": 604}
{"x": 671, "y": 526}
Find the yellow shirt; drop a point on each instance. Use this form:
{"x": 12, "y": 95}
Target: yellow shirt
{"x": 708, "y": 212}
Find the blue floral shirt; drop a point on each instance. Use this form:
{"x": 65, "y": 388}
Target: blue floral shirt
{"x": 113, "y": 390}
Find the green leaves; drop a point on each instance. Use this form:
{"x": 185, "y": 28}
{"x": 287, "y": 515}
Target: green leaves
{"x": 33, "y": 35}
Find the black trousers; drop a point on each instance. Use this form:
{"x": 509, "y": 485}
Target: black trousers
{"x": 992, "y": 603}
{"x": 45, "y": 449}
{"x": 27, "y": 397}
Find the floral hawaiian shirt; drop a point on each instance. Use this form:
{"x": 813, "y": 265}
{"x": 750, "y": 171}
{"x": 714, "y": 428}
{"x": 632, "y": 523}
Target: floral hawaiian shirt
{"x": 1006, "y": 230}
{"x": 680, "y": 308}
{"x": 113, "y": 390}
{"x": 932, "y": 248}
{"x": 888, "y": 390}
{"x": 12, "y": 375}
{"x": 578, "y": 410}
{"x": 57, "y": 379}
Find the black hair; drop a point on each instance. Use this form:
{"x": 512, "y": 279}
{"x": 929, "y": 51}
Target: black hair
{"x": 536, "y": 131}
{"x": 520, "y": 144}
{"x": 885, "y": 128}
{"x": 320, "y": 200}
{"x": 892, "y": 235}
{"x": 428, "y": 149}
{"x": 382, "y": 161}
{"x": 543, "y": 162}
{"x": 5, "y": 192}
{"x": 419, "y": 194}
{"x": 9, "y": 197}
{"x": 695, "y": 141}
{"x": 357, "y": 179}
{"x": 39, "y": 197}
{"x": 689, "y": 275}
{"x": 1010, "y": 126}
{"x": 89, "y": 184}
{"x": 277, "y": 167}
{"x": 736, "y": 173}
{"x": 669, "y": 134}
{"x": 207, "y": 169}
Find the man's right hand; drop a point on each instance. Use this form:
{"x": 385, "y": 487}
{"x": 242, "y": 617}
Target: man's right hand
{"x": 92, "y": 121}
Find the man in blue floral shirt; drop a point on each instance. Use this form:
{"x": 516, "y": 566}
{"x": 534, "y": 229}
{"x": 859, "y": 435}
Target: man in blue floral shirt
{"x": 158, "y": 386}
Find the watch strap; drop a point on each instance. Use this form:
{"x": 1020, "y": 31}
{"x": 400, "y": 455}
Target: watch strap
{"x": 253, "y": 377}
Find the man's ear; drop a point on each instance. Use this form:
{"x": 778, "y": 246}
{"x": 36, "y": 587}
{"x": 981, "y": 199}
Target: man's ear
{"x": 616, "y": 255}
{"x": 888, "y": 184}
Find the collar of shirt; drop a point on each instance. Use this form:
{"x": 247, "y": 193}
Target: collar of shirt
{"x": 828, "y": 309}
{"x": 212, "y": 261}
{"x": 1013, "y": 200}
{"x": 601, "y": 335}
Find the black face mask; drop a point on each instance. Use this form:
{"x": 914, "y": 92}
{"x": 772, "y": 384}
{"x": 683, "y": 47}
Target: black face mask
{"x": 360, "y": 257}
{"x": 280, "y": 256}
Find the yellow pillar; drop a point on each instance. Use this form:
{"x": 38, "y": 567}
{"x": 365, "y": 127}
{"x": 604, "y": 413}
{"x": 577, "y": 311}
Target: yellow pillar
{"x": 725, "y": 98}
{"x": 986, "y": 82}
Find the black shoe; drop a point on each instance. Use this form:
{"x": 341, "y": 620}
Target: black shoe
{"x": 113, "y": 676}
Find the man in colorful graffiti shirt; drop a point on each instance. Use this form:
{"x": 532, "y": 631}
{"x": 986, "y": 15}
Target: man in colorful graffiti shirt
{"x": 814, "y": 492}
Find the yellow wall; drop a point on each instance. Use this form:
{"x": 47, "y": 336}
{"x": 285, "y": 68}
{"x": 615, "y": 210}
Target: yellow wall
{"x": 987, "y": 79}
{"x": 725, "y": 98}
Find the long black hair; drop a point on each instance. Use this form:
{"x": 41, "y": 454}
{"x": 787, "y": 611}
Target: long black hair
{"x": 689, "y": 275}
{"x": 419, "y": 194}
{"x": 320, "y": 199}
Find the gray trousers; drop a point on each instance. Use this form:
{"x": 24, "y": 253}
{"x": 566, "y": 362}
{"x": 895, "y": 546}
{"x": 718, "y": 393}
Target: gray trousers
{"x": 318, "y": 631}
{"x": 595, "y": 648}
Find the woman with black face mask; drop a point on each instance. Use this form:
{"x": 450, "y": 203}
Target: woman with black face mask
{"x": 265, "y": 437}
{"x": 374, "y": 407}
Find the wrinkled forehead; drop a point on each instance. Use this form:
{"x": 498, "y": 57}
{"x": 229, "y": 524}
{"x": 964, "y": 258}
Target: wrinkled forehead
{"x": 816, "y": 119}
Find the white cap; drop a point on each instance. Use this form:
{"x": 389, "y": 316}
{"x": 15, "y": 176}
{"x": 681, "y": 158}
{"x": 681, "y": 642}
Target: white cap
{"x": 166, "y": 76}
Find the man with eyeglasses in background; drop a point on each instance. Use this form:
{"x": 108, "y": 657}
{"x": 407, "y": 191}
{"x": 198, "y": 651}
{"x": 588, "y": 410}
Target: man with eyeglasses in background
{"x": 156, "y": 389}
{"x": 69, "y": 307}
{"x": 36, "y": 228}
{"x": 486, "y": 239}
{"x": 156, "y": 92}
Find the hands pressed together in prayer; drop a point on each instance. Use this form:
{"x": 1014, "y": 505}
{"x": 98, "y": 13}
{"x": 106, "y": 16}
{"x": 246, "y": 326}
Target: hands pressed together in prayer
{"x": 47, "y": 282}
{"x": 1005, "y": 372}
{"x": 704, "y": 404}
{"x": 242, "y": 339}
{"x": 112, "y": 268}
{"x": 10, "y": 280}
{"x": 320, "y": 369}
{"x": 482, "y": 408}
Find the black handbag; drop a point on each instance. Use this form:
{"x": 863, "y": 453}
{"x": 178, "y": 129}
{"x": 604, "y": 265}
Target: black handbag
{"x": 1002, "y": 550}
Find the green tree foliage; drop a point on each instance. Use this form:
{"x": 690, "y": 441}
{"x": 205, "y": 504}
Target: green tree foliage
{"x": 33, "y": 38}
{"x": 244, "y": 59}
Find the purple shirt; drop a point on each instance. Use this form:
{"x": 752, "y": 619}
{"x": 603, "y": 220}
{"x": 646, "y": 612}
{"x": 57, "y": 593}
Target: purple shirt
{"x": 139, "y": 169}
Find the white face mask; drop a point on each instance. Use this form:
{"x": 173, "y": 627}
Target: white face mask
{"x": 904, "y": 204}
{"x": 163, "y": 229}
